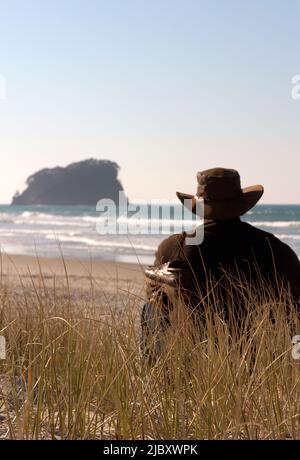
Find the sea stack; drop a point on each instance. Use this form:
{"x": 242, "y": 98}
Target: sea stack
{"x": 80, "y": 184}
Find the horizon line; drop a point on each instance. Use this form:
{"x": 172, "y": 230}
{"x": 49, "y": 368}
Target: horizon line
{"x": 133, "y": 202}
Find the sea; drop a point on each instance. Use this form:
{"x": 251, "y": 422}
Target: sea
{"x": 84, "y": 233}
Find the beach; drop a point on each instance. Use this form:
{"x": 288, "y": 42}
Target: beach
{"x": 70, "y": 313}
{"x": 79, "y": 277}
{"x": 61, "y": 291}
{"x": 73, "y": 368}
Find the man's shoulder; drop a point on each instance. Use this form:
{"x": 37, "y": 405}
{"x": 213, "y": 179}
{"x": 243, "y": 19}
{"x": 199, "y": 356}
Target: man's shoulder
{"x": 170, "y": 248}
{"x": 248, "y": 227}
{"x": 172, "y": 240}
{"x": 267, "y": 236}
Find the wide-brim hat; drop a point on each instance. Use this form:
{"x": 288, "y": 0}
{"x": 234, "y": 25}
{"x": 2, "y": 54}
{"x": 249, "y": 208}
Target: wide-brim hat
{"x": 220, "y": 191}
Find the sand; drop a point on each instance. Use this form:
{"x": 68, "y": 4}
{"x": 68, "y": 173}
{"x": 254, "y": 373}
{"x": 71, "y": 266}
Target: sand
{"x": 18, "y": 271}
{"x": 103, "y": 291}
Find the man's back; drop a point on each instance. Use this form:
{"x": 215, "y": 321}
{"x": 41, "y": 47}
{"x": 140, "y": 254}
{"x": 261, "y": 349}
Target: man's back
{"x": 234, "y": 247}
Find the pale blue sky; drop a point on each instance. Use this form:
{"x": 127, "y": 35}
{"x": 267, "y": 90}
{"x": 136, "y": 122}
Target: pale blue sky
{"x": 163, "y": 87}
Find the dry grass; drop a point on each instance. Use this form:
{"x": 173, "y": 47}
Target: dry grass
{"x": 74, "y": 370}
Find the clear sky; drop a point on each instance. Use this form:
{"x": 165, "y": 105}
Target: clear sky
{"x": 163, "y": 87}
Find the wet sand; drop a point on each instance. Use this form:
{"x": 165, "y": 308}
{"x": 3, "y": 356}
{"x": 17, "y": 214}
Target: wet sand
{"x": 25, "y": 271}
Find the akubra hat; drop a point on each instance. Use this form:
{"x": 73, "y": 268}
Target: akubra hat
{"x": 224, "y": 198}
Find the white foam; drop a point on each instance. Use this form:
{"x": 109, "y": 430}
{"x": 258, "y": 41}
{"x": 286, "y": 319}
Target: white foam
{"x": 102, "y": 243}
{"x": 275, "y": 224}
{"x": 22, "y": 228}
{"x": 288, "y": 237}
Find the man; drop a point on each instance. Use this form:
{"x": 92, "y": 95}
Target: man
{"x": 233, "y": 255}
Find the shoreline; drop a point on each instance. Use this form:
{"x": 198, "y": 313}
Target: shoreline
{"x": 22, "y": 270}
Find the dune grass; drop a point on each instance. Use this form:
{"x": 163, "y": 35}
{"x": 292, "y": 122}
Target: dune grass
{"x": 74, "y": 370}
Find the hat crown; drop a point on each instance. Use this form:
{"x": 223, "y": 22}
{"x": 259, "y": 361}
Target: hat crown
{"x": 219, "y": 184}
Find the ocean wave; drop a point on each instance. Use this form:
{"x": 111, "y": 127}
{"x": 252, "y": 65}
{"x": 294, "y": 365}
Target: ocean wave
{"x": 288, "y": 237}
{"x": 35, "y": 232}
{"x": 22, "y": 228}
{"x": 102, "y": 243}
{"x": 43, "y": 218}
{"x": 53, "y": 220}
{"x": 6, "y": 218}
{"x": 291, "y": 223}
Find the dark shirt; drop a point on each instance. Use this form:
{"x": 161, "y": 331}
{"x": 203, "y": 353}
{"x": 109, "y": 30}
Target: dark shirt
{"x": 236, "y": 249}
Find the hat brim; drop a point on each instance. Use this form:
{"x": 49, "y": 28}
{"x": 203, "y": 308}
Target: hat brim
{"x": 224, "y": 209}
